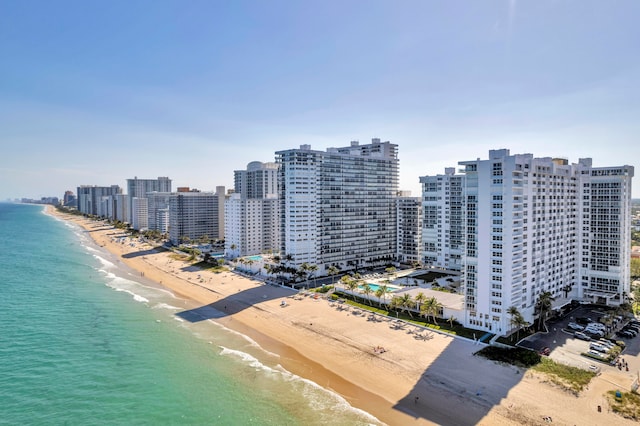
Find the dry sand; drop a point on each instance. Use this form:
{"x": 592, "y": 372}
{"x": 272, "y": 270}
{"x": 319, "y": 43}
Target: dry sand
{"x": 334, "y": 346}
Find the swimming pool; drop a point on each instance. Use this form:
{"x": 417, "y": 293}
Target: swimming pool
{"x": 255, "y": 258}
{"x": 375, "y": 287}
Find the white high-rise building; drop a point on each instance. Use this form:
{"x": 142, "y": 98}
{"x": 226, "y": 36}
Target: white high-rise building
{"x": 442, "y": 229}
{"x": 260, "y": 180}
{"x": 252, "y": 219}
{"x": 158, "y": 211}
{"x": 530, "y": 225}
{"x": 409, "y": 231}
{"x": 338, "y": 207}
{"x": 140, "y": 218}
{"x": 139, "y": 188}
{"x": 251, "y": 226}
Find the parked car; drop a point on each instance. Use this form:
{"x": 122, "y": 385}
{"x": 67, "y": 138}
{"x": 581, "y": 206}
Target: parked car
{"x": 599, "y": 348}
{"x": 583, "y": 320}
{"x": 594, "y": 332}
{"x": 595, "y": 354}
{"x": 633, "y": 327}
{"x": 624, "y": 333}
{"x": 545, "y": 351}
{"x": 580, "y": 335}
{"x": 575, "y": 326}
{"x": 630, "y": 331}
{"x": 597, "y": 325}
{"x": 606, "y": 343}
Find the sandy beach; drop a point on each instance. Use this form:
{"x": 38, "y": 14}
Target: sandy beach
{"x": 421, "y": 377}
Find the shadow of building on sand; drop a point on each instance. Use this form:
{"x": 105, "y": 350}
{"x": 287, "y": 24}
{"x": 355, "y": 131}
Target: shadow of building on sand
{"x": 229, "y": 305}
{"x": 459, "y": 388}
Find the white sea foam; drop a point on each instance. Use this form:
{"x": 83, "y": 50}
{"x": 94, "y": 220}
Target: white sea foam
{"x": 248, "y": 339}
{"x": 136, "y": 297}
{"x": 321, "y": 399}
{"x": 104, "y": 261}
{"x": 247, "y": 358}
{"x": 165, "y": 306}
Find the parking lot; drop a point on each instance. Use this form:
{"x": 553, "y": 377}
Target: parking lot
{"x": 567, "y": 349}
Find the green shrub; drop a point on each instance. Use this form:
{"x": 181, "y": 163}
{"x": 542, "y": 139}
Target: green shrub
{"x": 516, "y": 356}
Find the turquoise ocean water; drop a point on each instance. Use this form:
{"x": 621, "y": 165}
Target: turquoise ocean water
{"x": 84, "y": 341}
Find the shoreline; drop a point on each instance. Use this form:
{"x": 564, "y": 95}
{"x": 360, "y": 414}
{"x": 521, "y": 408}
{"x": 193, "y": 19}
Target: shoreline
{"x": 334, "y": 347}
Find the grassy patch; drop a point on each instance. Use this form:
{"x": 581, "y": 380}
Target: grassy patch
{"x": 572, "y": 378}
{"x": 627, "y": 406}
{"x": 180, "y": 257}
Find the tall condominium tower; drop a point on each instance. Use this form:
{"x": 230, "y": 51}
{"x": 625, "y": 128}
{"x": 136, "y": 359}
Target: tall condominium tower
{"x": 252, "y": 214}
{"x": 409, "y": 237}
{"x": 529, "y": 225}
{"x": 91, "y": 199}
{"x": 139, "y": 188}
{"x": 338, "y": 207}
{"x": 443, "y": 221}
{"x": 158, "y": 211}
{"x": 260, "y": 180}
{"x": 194, "y": 215}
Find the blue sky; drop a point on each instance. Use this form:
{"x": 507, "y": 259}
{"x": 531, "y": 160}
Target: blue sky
{"x": 98, "y": 92}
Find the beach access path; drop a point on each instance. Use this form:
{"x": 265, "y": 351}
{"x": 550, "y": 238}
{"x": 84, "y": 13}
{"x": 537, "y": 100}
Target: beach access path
{"x": 400, "y": 373}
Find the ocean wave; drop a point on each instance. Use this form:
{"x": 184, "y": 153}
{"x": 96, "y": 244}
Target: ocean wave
{"x": 248, "y": 358}
{"x": 104, "y": 261}
{"x": 246, "y": 338}
{"x": 165, "y": 306}
{"x": 322, "y": 400}
{"x": 136, "y": 297}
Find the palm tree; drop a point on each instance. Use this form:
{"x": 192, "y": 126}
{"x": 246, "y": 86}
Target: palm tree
{"x": 520, "y": 324}
{"x": 396, "y": 302}
{"x": 249, "y": 262}
{"x": 303, "y": 271}
{"x": 420, "y": 299}
{"x": 430, "y": 308}
{"x": 380, "y": 294}
{"x": 544, "y": 304}
{"x": 391, "y": 270}
{"x": 312, "y": 272}
{"x": 516, "y": 320}
{"x": 383, "y": 289}
{"x": 513, "y": 312}
{"x": 451, "y": 320}
{"x": 332, "y": 271}
{"x": 407, "y": 303}
{"x": 366, "y": 289}
{"x": 269, "y": 269}
{"x": 352, "y": 285}
{"x": 242, "y": 261}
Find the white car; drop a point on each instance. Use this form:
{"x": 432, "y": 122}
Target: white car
{"x": 575, "y": 326}
{"x": 595, "y": 332}
{"x": 599, "y": 348}
{"x": 597, "y": 325}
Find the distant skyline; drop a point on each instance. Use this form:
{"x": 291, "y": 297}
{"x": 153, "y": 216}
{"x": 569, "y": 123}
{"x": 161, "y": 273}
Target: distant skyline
{"x": 94, "y": 93}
